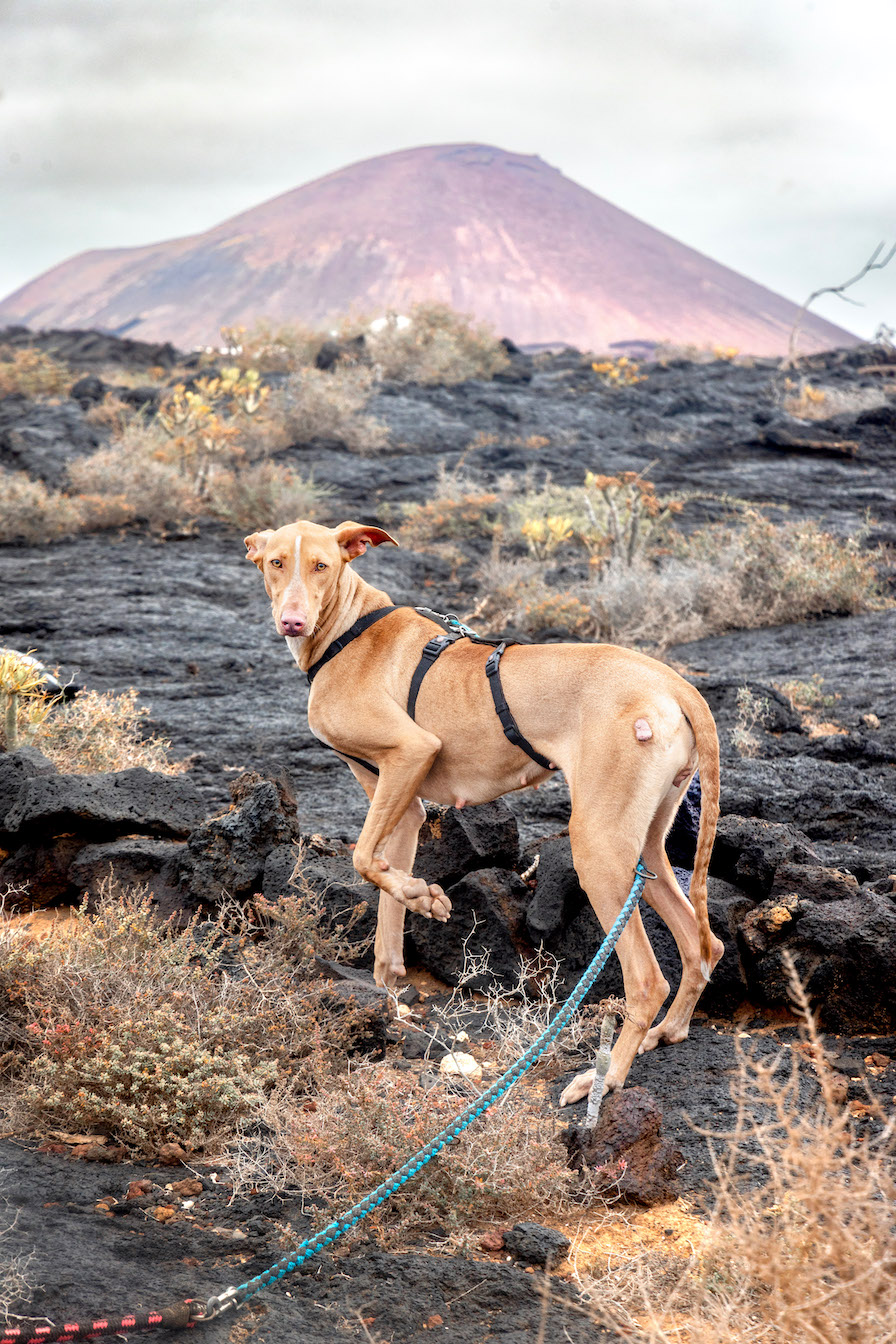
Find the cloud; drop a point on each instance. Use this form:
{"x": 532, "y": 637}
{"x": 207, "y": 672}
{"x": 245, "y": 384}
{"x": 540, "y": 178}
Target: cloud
{"x": 757, "y": 132}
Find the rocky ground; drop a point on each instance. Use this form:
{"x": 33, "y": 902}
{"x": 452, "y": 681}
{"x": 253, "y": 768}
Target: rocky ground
{"x": 804, "y": 862}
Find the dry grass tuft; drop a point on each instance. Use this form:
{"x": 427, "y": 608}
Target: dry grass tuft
{"x": 806, "y": 401}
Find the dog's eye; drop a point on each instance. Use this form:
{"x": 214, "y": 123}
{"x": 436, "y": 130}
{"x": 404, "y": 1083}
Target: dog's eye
{"x": 278, "y": 564}
{"x": 320, "y": 567}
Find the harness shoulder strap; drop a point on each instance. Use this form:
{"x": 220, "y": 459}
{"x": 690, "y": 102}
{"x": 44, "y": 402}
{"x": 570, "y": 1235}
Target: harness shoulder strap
{"x": 508, "y": 722}
{"x": 361, "y": 624}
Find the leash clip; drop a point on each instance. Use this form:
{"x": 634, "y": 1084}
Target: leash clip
{"x": 215, "y": 1306}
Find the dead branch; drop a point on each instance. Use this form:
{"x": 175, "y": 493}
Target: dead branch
{"x": 872, "y": 264}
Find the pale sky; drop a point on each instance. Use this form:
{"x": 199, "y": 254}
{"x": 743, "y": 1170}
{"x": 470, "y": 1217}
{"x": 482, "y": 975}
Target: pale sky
{"x": 757, "y": 131}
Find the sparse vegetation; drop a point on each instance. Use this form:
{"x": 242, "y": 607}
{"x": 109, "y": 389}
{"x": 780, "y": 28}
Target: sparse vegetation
{"x": 265, "y": 490}
{"x": 616, "y": 519}
{"x": 808, "y": 695}
{"x": 271, "y": 349}
{"x": 674, "y": 352}
{"x": 651, "y": 586}
{"x": 431, "y": 344}
{"x": 459, "y": 508}
{"x": 366, "y": 1123}
{"x": 799, "y": 1247}
{"x": 133, "y": 480}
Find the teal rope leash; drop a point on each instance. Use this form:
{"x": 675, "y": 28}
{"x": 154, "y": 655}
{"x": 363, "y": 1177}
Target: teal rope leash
{"x": 236, "y": 1296}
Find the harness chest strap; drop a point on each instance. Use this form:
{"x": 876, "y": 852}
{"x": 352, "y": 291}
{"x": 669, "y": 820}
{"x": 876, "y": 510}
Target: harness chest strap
{"x": 431, "y": 652}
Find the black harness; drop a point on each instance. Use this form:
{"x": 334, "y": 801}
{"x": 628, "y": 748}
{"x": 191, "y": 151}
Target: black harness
{"x": 454, "y": 630}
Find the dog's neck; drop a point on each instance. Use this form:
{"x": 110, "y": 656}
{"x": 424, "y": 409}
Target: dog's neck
{"x": 352, "y": 599}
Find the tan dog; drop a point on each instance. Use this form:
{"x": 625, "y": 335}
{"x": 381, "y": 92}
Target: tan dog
{"x": 626, "y": 731}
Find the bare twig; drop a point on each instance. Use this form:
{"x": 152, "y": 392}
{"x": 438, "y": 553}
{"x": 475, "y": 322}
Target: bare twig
{"x": 872, "y": 264}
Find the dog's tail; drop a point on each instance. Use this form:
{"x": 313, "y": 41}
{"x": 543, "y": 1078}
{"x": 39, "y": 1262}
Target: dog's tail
{"x": 703, "y": 725}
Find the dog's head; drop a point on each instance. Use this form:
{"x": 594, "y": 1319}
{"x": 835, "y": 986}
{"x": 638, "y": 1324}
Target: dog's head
{"x": 302, "y": 564}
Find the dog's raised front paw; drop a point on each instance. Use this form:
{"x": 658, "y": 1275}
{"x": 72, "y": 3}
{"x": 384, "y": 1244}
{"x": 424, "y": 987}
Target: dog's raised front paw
{"x": 579, "y": 1087}
{"x": 429, "y": 901}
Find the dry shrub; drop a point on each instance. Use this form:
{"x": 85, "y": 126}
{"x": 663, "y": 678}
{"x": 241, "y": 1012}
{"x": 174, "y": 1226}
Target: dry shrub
{"x": 29, "y": 372}
{"x": 752, "y": 712}
{"x": 102, "y": 730}
{"x": 32, "y": 514}
{"x": 111, "y": 413}
{"x": 513, "y": 1018}
{"x": 459, "y": 507}
{"x": 362, "y": 1127}
{"x": 809, "y": 402}
{"x": 741, "y": 577}
{"x": 441, "y": 519}
{"x": 438, "y": 345}
{"x": 267, "y": 491}
{"x": 676, "y": 352}
{"x": 16, "y": 1282}
{"x": 800, "y": 1248}
{"x": 784, "y": 572}
{"x": 641, "y": 604}
{"x": 272, "y": 349}
{"x": 313, "y": 404}
{"x": 132, "y": 481}
{"x": 131, "y": 1027}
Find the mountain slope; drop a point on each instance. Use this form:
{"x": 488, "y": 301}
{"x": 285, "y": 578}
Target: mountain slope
{"x": 503, "y": 236}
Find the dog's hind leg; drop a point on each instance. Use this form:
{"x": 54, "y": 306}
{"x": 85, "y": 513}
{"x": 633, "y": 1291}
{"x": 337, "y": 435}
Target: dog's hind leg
{"x": 605, "y": 853}
{"x": 676, "y": 911}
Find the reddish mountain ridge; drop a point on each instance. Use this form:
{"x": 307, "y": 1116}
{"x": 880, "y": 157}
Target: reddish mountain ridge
{"x": 503, "y": 236}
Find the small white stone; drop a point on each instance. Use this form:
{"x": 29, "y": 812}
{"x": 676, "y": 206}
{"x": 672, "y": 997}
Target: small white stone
{"x": 465, "y": 1065}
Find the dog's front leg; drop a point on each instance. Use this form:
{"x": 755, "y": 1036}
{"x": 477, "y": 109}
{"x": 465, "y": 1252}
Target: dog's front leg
{"x": 385, "y": 858}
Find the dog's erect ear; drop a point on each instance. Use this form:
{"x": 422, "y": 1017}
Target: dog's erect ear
{"x": 256, "y": 545}
{"x": 354, "y": 538}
